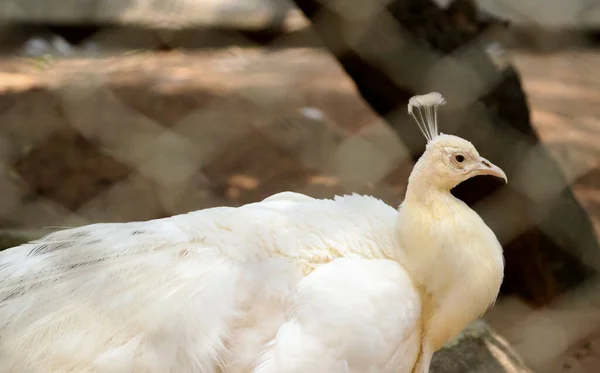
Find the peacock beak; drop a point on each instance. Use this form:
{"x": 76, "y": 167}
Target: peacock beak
{"x": 486, "y": 167}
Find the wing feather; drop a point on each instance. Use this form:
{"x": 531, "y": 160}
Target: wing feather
{"x": 112, "y": 286}
{"x": 164, "y": 295}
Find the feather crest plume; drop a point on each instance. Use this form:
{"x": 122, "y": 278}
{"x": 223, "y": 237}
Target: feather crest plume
{"x": 423, "y": 108}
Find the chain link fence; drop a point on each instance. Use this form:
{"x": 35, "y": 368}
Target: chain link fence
{"x": 151, "y": 116}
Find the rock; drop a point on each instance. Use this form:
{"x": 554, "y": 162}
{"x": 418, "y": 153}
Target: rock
{"x": 546, "y": 338}
{"x": 478, "y": 350}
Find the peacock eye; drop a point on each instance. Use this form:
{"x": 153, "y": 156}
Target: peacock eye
{"x": 459, "y": 158}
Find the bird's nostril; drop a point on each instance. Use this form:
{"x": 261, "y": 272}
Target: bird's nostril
{"x": 487, "y": 164}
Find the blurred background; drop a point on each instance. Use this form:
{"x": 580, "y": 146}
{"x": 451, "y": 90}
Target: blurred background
{"x": 140, "y": 109}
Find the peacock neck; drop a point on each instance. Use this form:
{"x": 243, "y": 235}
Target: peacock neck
{"x": 453, "y": 257}
{"x": 423, "y": 188}
{"x": 421, "y": 191}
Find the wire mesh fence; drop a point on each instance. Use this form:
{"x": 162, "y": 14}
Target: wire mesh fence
{"x": 115, "y": 128}
{"x": 152, "y": 127}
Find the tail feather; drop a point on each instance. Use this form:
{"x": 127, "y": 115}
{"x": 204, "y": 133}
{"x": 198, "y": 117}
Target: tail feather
{"x": 112, "y": 296}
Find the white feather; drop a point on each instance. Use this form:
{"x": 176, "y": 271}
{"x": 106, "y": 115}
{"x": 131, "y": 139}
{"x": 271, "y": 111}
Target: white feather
{"x": 341, "y": 306}
{"x": 192, "y": 293}
{"x": 426, "y": 112}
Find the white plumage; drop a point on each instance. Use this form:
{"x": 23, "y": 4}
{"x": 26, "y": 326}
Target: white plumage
{"x": 289, "y": 284}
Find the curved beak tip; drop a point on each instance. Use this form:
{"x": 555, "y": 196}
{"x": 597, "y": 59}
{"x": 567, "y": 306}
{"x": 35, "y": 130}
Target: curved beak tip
{"x": 504, "y": 177}
{"x": 488, "y": 168}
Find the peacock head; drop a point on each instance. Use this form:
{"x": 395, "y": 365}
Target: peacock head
{"x": 448, "y": 160}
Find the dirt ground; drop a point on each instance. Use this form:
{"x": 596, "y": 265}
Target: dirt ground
{"x": 564, "y": 93}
